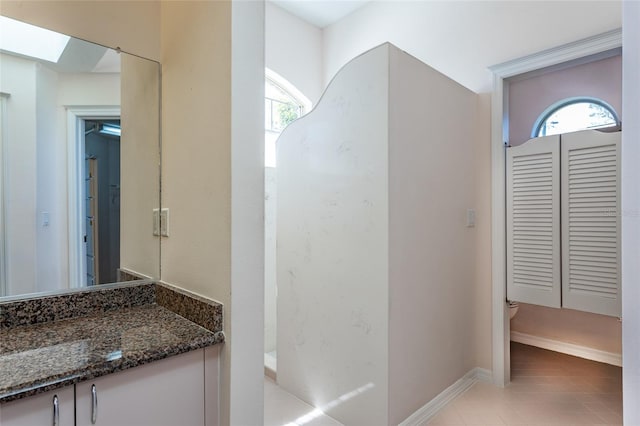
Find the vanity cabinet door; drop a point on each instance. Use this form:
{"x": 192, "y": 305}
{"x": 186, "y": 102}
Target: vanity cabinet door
{"x": 39, "y": 409}
{"x": 167, "y": 392}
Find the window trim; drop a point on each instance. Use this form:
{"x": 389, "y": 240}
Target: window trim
{"x": 551, "y": 109}
{"x": 289, "y": 88}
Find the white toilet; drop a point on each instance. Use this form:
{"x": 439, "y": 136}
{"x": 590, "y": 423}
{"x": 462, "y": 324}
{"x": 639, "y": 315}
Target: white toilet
{"x": 513, "y": 309}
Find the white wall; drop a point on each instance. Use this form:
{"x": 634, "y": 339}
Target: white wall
{"x": 432, "y": 253}
{"x": 631, "y": 213}
{"x": 463, "y": 38}
{"x": 18, "y": 79}
{"x": 50, "y": 261}
{"x": 293, "y": 49}
{"x": 482, "y": 179}
{"x": 270, "y": 288}
{"x": 332, "y": 251}
{"x": 247, "y": 213}
{"x": 88, "y": 89}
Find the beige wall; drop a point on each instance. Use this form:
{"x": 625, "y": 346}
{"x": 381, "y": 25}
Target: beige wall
{"x": 196, "y": 154}
{"x": 139, "y": 165}
{"x": 433, "y": 158}
{"x": 482, "y": 180}
{"x": 132, "y": 25}
{"x": 213, "y": 147}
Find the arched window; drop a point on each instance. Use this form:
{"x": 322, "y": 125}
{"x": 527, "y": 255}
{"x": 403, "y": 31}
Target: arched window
{"x": 573, "y": 114}
{"x": 283, "y": 103}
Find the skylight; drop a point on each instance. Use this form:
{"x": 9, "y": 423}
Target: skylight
{"x": 29, "y": 40}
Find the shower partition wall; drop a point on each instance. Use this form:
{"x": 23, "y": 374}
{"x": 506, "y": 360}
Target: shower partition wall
{"x": 376, "y": 247}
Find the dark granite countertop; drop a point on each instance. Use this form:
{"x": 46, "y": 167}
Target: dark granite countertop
{"x": 42, "y": 356}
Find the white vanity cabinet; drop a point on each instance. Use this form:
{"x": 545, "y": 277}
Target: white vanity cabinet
{"x": 179, "y": 390}
{"x": 55, "y": 407}
{"x": 169, "y": 392}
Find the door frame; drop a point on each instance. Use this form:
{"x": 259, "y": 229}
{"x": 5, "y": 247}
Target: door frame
{"x": 599, "y": 44}
{"x": 76, "y": 116}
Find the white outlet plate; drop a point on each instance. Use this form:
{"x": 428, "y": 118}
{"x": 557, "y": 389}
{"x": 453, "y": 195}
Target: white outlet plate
{"x": 156, "y": 222}
{"x": 471, "y": 218}
{"x": 164, "y": 222}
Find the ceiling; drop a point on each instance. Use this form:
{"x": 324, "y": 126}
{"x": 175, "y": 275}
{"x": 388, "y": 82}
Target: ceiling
{"x": 320, "y": 13}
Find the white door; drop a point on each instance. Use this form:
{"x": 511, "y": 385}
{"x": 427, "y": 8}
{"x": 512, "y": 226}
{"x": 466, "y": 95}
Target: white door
{"x": 591, "y": 222}
{"x": 533, "y": 222}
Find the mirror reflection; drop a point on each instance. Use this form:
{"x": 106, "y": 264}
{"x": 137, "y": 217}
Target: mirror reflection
{"x": 79, "y": 162}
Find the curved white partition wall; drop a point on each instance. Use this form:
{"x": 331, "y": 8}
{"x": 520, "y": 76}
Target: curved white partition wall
{"x": 375, "y": 261}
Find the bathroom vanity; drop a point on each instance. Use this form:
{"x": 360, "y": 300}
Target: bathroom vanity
{"x": 143, "y": 354}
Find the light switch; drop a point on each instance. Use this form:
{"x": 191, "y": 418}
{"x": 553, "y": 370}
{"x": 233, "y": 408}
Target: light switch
{"x": 45, "y": 218}
{"x": 164, "y": 222}
{"x": 156, "y": 222}
{"x": 471, "y": 218}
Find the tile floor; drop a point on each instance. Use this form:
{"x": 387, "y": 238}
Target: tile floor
{"x": 547, "y": 388}
{"x": 281, "y": 408}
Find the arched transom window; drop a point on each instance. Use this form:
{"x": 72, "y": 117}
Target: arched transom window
{"x": 571, "y": 115}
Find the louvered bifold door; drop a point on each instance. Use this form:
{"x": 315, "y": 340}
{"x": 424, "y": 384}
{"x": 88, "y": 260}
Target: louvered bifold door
{"x": 533, "y": 222}
{"x": 591, "y": 222}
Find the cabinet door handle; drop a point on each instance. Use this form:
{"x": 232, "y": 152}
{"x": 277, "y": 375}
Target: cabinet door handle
{"x": 56, "y": 411}
{"x": 94, "y": 404}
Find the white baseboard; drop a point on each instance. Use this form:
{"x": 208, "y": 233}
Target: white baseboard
{"x": 430, "y": 409}
{"x": 567, "y": 348}
{"x": 270, "y": 366}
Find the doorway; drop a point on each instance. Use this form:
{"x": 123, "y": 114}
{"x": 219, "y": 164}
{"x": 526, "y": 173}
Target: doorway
{"x": 79, "y": 122}
{"x": 581, "y": 51}
{"x": 101, "y": 195}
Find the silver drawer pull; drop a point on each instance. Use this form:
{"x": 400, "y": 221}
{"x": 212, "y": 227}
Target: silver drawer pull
{"x": 56, "y": 411}
{"x": 94, "y": 404}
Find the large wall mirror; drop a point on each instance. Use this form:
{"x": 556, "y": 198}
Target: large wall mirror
{"x": 79, "y": 163}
